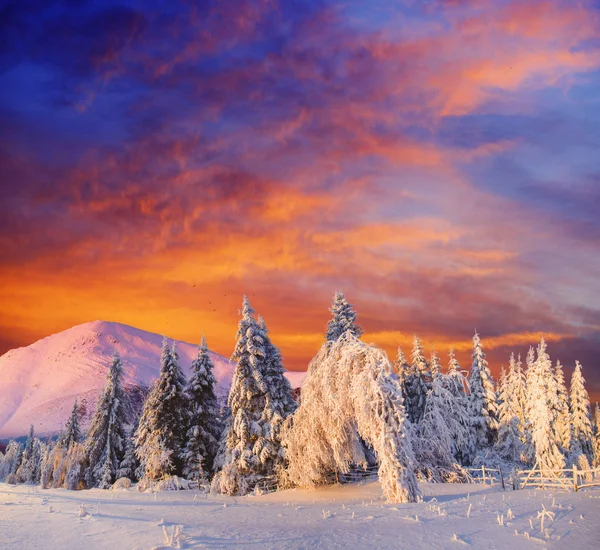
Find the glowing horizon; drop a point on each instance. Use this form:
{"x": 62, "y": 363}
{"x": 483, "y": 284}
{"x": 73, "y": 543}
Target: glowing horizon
{"x": 435, "y": 161}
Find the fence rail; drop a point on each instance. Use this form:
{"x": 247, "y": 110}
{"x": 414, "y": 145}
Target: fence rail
{"x": 485, "y": 475}
{"x": 569, "y": 478}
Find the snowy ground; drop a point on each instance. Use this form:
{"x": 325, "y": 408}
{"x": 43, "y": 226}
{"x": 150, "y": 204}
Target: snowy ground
{"x": 348, "y": 517}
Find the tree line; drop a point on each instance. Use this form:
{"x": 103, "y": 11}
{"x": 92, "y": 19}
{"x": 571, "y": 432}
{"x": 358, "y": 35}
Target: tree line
{"x": 414, "y": 419}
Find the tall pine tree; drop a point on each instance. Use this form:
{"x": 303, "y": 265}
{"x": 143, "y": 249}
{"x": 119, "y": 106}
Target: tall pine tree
{"x": 482, "y": 399}
{"x": 72, "y": 431}
{"x": 253, "y": 451}
{"x": 401, "y": 367}
{"x": 418, "y": 383}
{"x": 562, "y": 420}
{"x": 344, "y": 319}
{"x": 204, "y": 426}
{"x": 455, "y": 380}
{"x": 580, "y": 414}
{"x": 541, "y": 390}
{"x": 509, "y": 444}
{"x": 160, "y": 436}
{"x": 104, "y": 446}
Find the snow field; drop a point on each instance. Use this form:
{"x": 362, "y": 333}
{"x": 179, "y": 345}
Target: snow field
{"x": 346, "y": 516}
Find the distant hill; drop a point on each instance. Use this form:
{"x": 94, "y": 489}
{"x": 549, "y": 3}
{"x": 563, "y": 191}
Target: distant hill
{"x": 39, "y": 383}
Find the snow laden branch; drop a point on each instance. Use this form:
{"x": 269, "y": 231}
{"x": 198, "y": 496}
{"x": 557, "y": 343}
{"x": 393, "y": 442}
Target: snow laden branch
{"x": 350, "y": 393}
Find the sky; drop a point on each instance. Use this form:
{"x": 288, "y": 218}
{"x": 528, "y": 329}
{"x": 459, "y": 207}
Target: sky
{"x": 435, "y": 160}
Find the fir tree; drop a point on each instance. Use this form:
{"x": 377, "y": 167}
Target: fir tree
{"x": 72, "y": 431}
{"x": 253, "y": 450}
{"x": 509, "y": 444}
{"x": 160, "y": 436}
{"x": 541, "y": 396}
{"x": 444, "y": 433}
{"x": 562, "y": 421}
{"x": 12, "y": 459}
{"x": 580, "y": 414}
{"x": 130, "y": 462}
{"x": 29, "y": 468}
{"x": 277, "y": 387}
{"x": 402, "y": 368}
{"x": 596, "y": 459}
{"x": 519, "y": 389}
{"x": 104, "y": 446}
{"x": 455, "y": 380}
{"x": 436, "y": 368}
{"x": 344, "y": 319}
{"x": 418, "y": 383}
{"x": 482, "y": 399}
{"x": 204, "y": 424}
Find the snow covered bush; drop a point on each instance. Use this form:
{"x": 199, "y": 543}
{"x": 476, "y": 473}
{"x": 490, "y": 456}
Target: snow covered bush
{"x": 349, "y": 393}
{"x": 11, "y": 479}
{"x": 122, "y": 483}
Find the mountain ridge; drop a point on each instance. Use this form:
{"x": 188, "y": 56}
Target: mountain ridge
{"x": 39, "y": 382}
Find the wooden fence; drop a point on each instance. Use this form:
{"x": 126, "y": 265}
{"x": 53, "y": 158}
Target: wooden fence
{"x": 568, "y": 478}
{"x": 485, "y": 475}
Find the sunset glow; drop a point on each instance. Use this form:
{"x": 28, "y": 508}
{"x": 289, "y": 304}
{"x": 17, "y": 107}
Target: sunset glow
{"x": 437, "y": 161}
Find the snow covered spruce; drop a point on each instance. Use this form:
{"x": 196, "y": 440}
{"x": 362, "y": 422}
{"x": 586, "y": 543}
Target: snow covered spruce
{"x": 409, "y": 420}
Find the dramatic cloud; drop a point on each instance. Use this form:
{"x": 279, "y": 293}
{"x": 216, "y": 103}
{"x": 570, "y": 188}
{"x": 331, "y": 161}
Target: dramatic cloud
{"x": 434, "y": 160}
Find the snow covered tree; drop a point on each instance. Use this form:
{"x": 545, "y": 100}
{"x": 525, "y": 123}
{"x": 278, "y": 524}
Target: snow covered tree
{"x": 12, "y": 459}
{"x": 160, "y": 436}
{"x": 130, "y": 462}
{"x": 104, "y": 446}
{"x": 72, "y": 431}
{"x": 350, "y": 395}
{"x": 59, "y": 465}
{"x": 25, "y": 470}
{"x": 344, "y": 319}
{"x": 580, "y": 414}
{"x": 47, "y": 467}
{"x": 562, "y": 420}
{"x": 596, "y": 458}
{"x": 203, "y": 422}
{"x": 401, "y": 368}
{"x": 279, "y": 399}
{"x": 418, "y": 383}
{"x": 509, "y": 444}
{"x": 455, "y": 380}
{"x": 443, "y": 435}
{"x": 258, "y": 405}
{"x": 75, "y": 459}
{"x": 541, "y": 396}
{"x": 482, "y": 399}
{"x": 519, "y": 388}
{"x": 436, "y": 368}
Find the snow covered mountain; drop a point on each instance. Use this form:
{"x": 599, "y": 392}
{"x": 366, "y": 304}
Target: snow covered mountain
{"x": 39, "y": 383}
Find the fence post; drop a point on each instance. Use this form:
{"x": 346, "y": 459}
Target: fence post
{"x": 502, "y": 479}
{"x": 575, "y": 474}
{"x": 514, "y": 480}
{"x": 483, "y": 472}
